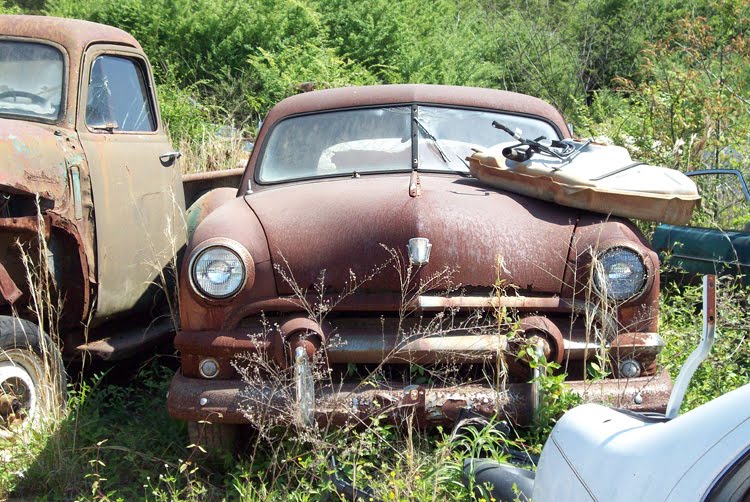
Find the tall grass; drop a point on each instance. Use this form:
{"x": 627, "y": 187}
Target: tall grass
{"x": 38, "y": 354}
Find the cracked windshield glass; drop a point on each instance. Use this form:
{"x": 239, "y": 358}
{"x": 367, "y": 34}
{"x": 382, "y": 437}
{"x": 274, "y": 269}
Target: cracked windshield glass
{"x": 31, "y": 79}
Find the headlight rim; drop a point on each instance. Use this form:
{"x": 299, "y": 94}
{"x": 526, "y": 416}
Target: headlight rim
{"x": 234, "y": 247}
{"x": 647, "y": 272}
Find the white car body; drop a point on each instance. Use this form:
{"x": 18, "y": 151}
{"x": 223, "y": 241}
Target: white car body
{"x": 601, "y": 454}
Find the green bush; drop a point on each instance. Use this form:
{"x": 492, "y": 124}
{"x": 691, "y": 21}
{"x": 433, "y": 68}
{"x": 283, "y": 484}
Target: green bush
{"x": 410, "y": 41}
{"x": 728, "y": 365}
{"x": 7, "y": 8}
{"x": 277, "y": 74}
{"x": 687, "y": 106}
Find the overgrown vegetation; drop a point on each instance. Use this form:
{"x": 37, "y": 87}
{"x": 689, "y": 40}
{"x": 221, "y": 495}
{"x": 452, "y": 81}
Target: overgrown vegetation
{"x": 668, "y": 79}
{"x": 728, "y": 366}
{"x": 118, "y": 443}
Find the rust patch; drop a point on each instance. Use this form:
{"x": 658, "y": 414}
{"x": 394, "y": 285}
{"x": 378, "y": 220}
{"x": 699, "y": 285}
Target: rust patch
{"x": 31, "y": 160}
{"x": 637, "y": 394}
{"x": 224, "y": 401}
{"x": 8, "y": 288}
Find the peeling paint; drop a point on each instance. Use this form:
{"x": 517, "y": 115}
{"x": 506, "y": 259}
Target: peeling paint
{"x": 19, "y": 145}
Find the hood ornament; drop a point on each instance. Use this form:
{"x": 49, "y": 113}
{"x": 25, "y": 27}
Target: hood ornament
{"x": 419, "y": 250}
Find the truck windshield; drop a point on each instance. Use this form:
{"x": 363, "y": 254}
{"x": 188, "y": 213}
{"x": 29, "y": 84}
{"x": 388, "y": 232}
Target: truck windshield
{"x": 31, "y": 80}
{"x": 349, "y": 142}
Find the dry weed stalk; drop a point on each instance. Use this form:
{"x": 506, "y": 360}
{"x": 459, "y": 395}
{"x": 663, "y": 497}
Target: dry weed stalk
{"x": 213, "y": 152}
{"x": 269, "y": 393}
{"x": 44, "y": 307}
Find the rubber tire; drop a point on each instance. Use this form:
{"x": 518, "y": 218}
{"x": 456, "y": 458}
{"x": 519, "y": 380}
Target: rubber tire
{"x": 505, "y": 481}
{"x": 24, "y": 348}
{"x": 218, "y": 440}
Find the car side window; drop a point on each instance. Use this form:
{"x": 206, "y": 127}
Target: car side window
{"x": 118, "y": 97}
{"x": 725, "y": 204}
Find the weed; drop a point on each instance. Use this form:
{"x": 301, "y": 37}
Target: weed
{"x": 728, "y": 364}
{"x": 33, "y": 379}
{"x": 217, "y": 148}
{"x": 556, "y": 397}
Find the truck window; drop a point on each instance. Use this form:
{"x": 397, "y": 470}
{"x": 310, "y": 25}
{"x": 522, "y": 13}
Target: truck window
{"x": 118, "y": 98}
{"x": 31, "y": 80}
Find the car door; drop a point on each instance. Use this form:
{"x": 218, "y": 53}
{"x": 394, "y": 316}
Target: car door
{"x": 136, "y": 184}
{"x": 718, "y": 240}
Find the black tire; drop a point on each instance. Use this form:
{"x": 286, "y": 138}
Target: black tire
{"x": 214, "y": 440}
{"x": 32, "y": 377}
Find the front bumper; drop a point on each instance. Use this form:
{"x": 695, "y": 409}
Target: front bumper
{"x": 234, "y": 402}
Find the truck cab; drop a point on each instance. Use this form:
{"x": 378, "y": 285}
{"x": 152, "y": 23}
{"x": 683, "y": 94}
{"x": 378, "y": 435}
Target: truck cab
{"x": 91, "y": 203}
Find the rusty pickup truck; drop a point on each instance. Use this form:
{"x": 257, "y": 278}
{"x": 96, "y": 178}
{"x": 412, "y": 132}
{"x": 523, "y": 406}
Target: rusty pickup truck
{"x": 360, "y": 271}
{"x": 92, "y": 205}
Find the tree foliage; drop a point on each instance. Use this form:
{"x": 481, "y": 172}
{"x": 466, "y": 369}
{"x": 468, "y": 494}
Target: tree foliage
{"x": 667, "y": 78}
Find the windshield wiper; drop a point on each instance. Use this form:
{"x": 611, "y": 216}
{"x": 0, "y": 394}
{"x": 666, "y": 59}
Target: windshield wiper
{"x": 434, "y": 140}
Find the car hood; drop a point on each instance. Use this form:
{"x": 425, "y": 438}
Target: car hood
{"x": 34, "y": 159}
{"x": 348, "y": 228}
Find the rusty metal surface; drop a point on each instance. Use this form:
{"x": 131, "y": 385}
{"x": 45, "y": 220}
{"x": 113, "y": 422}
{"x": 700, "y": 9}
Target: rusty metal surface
{"x": 48, "y": 160}
{"x": 390, "y": 302}
{"x": 204, "y": 205}
{"x": 34, "y": 160}
{"x": 356, "y": 221}
{"x": 374, "y": 341}
{"x": 639, "y": 314}
{"x": 232, "y": 221}
{"x": 231, "y": 401}
{"x": 196, "y": 184}
{"x": 357, "y": 346}
{"x": 139, "y": 201}
{"x": 637, "y": 394}
{"x": 26, "y": 225}
{"x": 312, "y": 241}
{"x": 73, "y": 34}
{"x": 536, "y": 329}
{"x": 227, "y": 401}
{"x": 8, "y": 288}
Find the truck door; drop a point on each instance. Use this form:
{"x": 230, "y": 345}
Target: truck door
{"x": 137, "y": 190}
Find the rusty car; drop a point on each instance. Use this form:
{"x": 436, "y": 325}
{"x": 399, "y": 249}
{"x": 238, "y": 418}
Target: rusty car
{"x": 360, "y": 271}
{"x": 92, "y": 205}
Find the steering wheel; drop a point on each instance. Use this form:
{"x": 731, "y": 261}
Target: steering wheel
{"x": 35, "y": 98}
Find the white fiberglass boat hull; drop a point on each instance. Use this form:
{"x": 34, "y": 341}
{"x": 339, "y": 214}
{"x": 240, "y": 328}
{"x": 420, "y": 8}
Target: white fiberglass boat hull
{"x": 602, "y": 179}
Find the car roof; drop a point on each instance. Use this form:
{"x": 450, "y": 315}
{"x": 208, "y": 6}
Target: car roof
{"x": 446, "y": 95}
{"x": 73, "y": 34}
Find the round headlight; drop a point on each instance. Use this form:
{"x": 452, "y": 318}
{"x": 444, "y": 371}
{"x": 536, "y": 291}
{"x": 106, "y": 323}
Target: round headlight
{"x": 620, "y": 273}
{"x": 218, "y": 272}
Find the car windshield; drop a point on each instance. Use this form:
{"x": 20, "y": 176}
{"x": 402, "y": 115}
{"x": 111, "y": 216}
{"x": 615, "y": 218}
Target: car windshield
{"x": 31, "y": 80}
{"x": 354, "y": 142}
